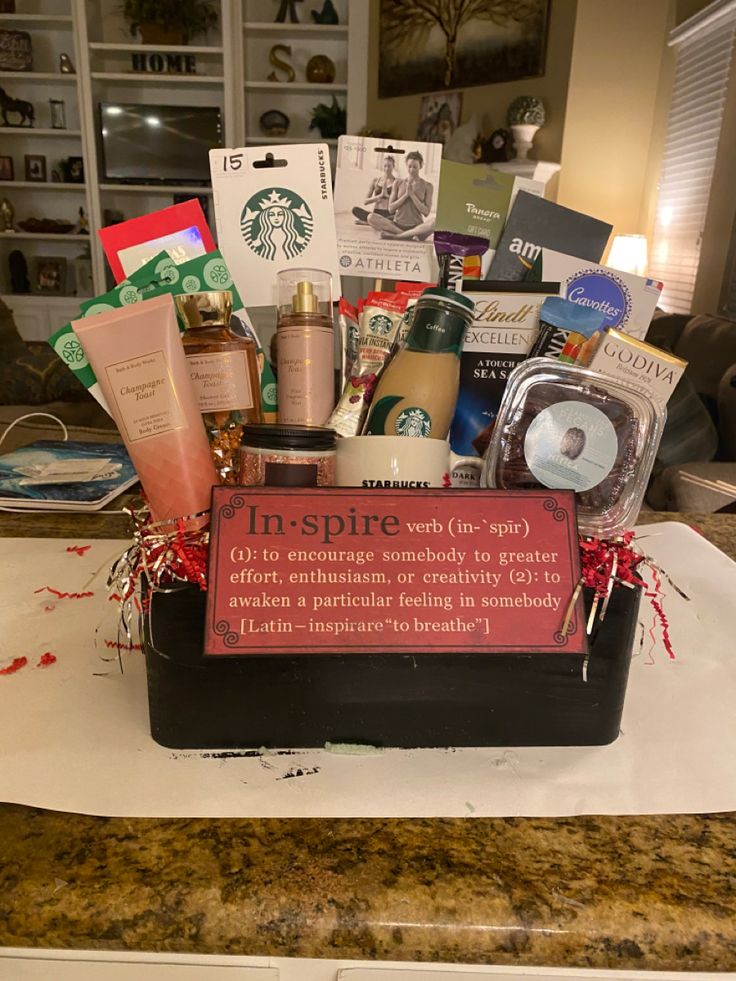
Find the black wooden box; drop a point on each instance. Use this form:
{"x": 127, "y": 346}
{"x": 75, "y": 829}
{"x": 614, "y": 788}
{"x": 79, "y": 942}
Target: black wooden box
{"x": 386, "y": 699}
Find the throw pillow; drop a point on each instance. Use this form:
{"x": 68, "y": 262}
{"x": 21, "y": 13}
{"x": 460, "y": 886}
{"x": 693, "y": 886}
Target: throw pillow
{"x": 708, "y": 343}
{"x": 31, "y": 373}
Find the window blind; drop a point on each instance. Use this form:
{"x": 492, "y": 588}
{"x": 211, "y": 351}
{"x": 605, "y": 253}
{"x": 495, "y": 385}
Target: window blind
{"x": 704, "y": 49}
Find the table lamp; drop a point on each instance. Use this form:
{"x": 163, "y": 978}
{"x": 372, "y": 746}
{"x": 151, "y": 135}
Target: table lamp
{"x": 629, "y": 254}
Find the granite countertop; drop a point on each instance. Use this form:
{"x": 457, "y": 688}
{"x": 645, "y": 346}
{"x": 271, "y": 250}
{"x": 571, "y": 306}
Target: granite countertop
{"x": 647, "y": 893}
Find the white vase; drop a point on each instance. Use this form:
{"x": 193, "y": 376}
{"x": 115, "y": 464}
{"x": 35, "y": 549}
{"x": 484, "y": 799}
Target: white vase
{"x": 523, "y": 137}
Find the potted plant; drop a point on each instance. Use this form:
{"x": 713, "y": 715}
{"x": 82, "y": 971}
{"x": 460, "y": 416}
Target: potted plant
{"x": 169, "y": 21}
{"x": 524, "y": 117}
{"x": 331, "y": 121}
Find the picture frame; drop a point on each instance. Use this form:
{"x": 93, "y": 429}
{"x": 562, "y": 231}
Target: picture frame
{"x": 7, "y": 169}
{"x": 431, "y": 46}
{"x": 439, "y": 116}
{"x": 35, "y": 168}
{"x": 48, "y": 275}
{"x": 73, "y": 170}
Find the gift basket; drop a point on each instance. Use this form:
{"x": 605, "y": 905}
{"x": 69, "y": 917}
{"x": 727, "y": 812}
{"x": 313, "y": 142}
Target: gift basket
{"x": 412, "y": 525}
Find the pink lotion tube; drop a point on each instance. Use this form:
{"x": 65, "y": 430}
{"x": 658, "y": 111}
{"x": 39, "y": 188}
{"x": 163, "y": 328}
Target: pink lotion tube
{"x": 137, "y": 355}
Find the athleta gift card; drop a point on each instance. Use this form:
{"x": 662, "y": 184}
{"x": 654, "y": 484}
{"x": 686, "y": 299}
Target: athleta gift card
{"x": 386, "y": 194}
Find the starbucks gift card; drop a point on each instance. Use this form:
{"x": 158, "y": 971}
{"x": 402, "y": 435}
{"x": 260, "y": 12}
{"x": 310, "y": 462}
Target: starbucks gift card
{"x": 628, "y": 301}
{"x": 386, "y": 195}
{"x": 274, "y": 211}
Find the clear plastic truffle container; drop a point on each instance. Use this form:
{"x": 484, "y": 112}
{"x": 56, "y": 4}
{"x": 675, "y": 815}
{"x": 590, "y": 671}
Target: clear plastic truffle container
{"x": 566, "y": 427}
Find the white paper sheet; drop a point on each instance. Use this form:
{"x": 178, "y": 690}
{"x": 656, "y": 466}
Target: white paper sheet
{"x": 74, "y": 735}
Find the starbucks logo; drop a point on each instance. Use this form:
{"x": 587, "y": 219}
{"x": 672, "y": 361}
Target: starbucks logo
{"x": 380, "y": 325}
{"x": 71, "y": 351}
{"x": 277, "y": 225}
{"x": 413, "y": 422}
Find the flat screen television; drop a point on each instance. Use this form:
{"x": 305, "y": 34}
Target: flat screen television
{"x": 158, "y": 144}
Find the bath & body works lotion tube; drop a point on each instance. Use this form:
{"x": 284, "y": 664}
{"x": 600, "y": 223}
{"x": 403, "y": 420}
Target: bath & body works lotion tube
{"x": 137, "y": 355}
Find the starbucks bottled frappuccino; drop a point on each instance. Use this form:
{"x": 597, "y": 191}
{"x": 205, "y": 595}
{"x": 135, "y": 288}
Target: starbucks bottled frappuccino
{"x": 417, "y": 393}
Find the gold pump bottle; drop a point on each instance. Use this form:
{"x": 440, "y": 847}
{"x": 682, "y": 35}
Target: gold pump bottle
{"x": 305, "y": 343}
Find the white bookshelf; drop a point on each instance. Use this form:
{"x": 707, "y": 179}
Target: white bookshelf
{"x": 42, "y": 186}
{"x": 344, "y": 43}
{"x": 232, "y": 68}
{"x": 52, "y": 27}
{"x": 132, "y": 78}
{"x": 36, "y": 20}
{"x": 194, "y": 49}
{"x": 28, "y": 132}
{"x": 316, "y": 30}
{"x": 166, "y": 189}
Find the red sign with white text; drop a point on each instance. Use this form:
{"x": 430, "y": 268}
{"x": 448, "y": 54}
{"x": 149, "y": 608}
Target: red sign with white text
{"x": 409, "y": 572}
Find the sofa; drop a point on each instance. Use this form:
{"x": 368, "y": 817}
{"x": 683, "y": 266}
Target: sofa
{"x": 34, "y": 380}
{"x": 699, "y": 442}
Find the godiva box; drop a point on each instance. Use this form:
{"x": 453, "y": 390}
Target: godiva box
{"x": 651, "y": 370}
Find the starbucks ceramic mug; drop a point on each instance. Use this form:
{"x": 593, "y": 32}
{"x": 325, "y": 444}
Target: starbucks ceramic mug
{"x": 392, "y": 462}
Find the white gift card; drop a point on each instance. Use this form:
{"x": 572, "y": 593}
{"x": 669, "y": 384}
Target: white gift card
{"x": 385, "y": 207}
{"x": 273, "y": 207}
{"x": 182, "y": 246}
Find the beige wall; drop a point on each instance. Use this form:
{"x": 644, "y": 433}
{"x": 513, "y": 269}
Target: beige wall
{"x": 612, "y": 109}
{"x": 489, "y": 102}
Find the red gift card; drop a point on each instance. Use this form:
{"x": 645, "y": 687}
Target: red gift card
{"x": 180, "y": 230}
{"x": 409, "y": 572}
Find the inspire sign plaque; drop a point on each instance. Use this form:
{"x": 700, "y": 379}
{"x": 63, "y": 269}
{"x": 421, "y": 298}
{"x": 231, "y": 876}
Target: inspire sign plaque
{"x": 340, "y": 571}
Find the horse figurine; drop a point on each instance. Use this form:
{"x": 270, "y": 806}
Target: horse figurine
{"x": 24, "y": 109}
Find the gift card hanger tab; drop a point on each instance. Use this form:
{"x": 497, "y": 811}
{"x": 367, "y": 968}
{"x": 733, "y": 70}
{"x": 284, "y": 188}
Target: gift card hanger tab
{"x": 269, "y": 161}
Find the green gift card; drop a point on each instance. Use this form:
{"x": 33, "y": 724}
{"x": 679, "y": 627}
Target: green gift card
{"x": 473, "y": 200}
{"x": 158, "y": 276}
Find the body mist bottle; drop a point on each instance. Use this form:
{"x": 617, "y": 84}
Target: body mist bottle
{"x": 305, "y": 347}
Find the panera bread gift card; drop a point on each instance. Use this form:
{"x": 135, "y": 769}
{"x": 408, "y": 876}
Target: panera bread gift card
{"x": 535, "y": 223}
{"x": 273, "y": 207}
{"x": 474, "y": 200}
{"x": 385, "y": 207}
{"x": 628, "y": 301}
